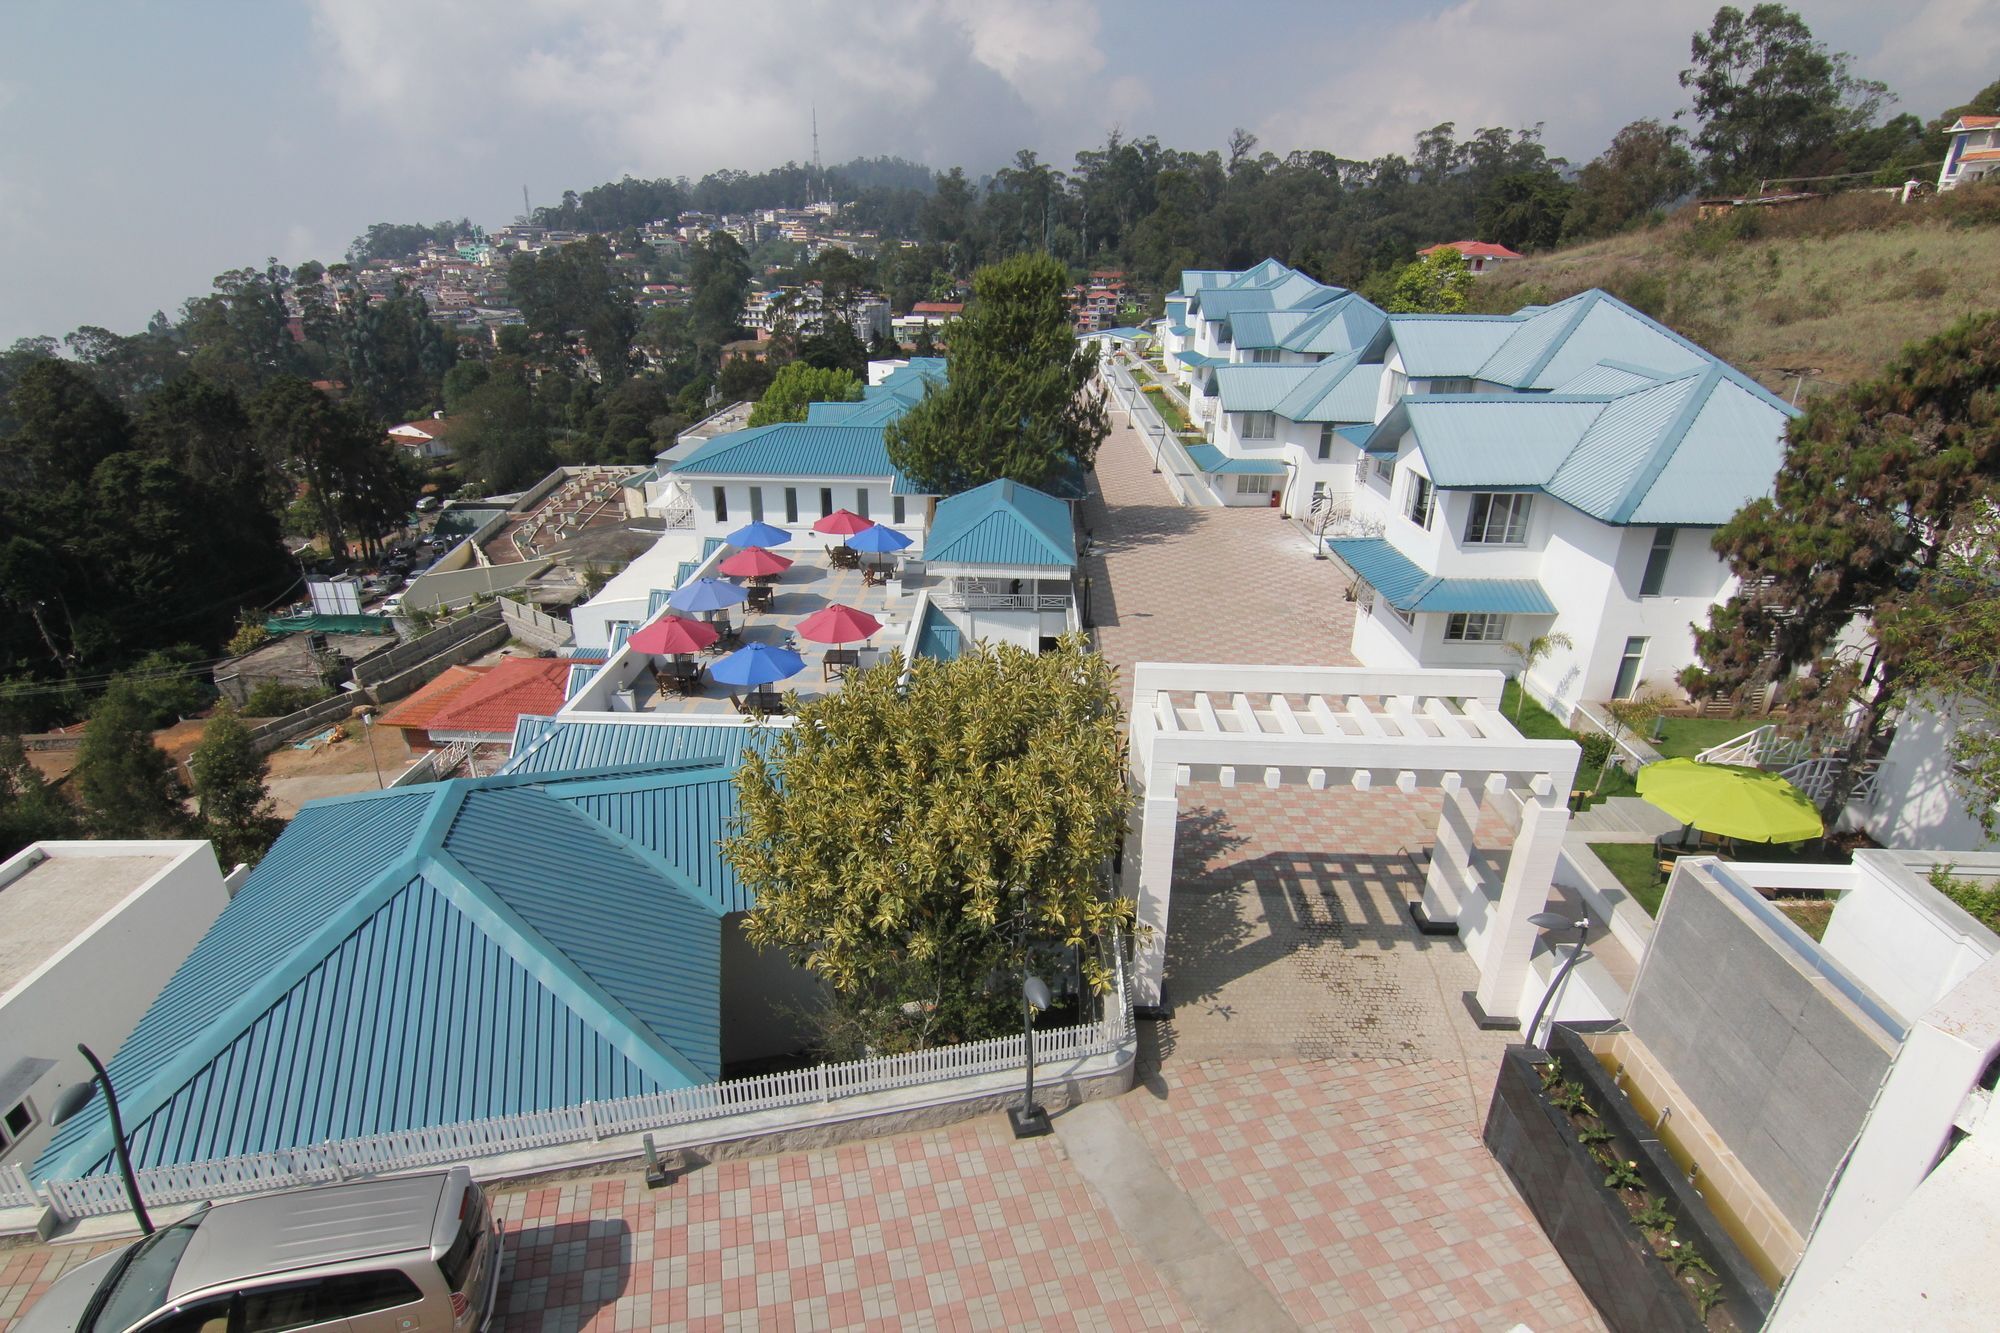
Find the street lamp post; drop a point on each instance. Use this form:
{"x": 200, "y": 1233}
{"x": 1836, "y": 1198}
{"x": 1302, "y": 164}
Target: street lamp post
{"x": 368, "y": 728}
{"x": 77, "y": 1096}
{"x": 1029, "y": 1119}
{"x": 1556, "y": 921}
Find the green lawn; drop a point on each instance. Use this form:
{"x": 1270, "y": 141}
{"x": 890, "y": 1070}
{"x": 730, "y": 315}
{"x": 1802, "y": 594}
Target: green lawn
{"x": 1538, "y": 724}
{"x": 1809, "y": 915}
{"x": 1636, "y": 869}
{"x": 1685, "y": 737}
{"x": 1170, "y": 412}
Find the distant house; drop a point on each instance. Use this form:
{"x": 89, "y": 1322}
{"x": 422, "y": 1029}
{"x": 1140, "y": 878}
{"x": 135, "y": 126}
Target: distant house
{"x": 1480, "y": 256}
{"x": 425, "y": 440}
{"x": 1974, "y": 151}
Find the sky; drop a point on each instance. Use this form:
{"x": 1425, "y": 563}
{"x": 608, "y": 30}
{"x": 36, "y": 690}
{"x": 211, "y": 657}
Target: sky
{"x": 148, "y": 145}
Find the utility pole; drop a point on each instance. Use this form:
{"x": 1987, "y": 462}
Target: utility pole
{"x": 527, "y": 210}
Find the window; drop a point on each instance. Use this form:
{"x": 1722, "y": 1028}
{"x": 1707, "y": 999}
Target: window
{"x": 1451, "y": 386}
{"x": 1497, "y": 519}
{"x": 209, "y": 1316}
{"x": 1629, "y": 663}
{"x": 20, "y": 1118}
{"x": 897, "y": 512}
{"x": 1326, "y": 442}
{"x": 1662, "y": 551}
{"x": 1253, "y": 483}
{"x": 1475, "y": 627}
{"x": 1421, "y": 497}
{"x": 1259, "y": 425}
{"x": 456, "y": 1265}
{"x": 757, "y": 504}
{"x": 1385, "y": 468}
{"x": 825, "y": 501}
{"x": 324, "y": 1300}
{"x": 861, "y": 501}
{"x": 1409, "y": 618}
{"x": 721, "y": 505}
{"x": 1319, "y": 496}
{"x": 1264, "y": 356}
{"x": 791, "y": 504}
{"x": 1398, "y": 384}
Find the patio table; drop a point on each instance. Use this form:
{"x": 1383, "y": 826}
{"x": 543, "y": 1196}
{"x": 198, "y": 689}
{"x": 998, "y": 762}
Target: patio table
{"x": 838, "y": 661}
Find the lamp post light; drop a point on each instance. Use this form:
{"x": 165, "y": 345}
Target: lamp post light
{"x": 1556, "y": 921}
{"x": 77, "y": 1096}
{"x": 1029, "y": 1119}
{"x": 368, "y": 729}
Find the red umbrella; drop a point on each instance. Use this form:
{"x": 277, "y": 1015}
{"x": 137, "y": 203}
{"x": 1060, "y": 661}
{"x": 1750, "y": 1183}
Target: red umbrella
{"x": 842, "y": 523}
{"x": 673, "y": 634}
{"x": 838, "y": 624}
{"x": 754, "y": 563}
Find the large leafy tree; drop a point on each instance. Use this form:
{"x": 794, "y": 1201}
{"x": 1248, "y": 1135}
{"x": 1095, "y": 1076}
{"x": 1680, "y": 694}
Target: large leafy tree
{"x": 231, "y": 803}
{"x": 1018, "y": 403}
{"x": 500, "y": 436}
{"x": 798, "y": 385}
{"x": 578, "y": 291}
{"x": 916, "y": 848}
{"x": 1646, "y": 167}
{"x": 720, "y": 273}
{"x": 356, "y": 486}
{"x": 30, "y": 809}
{"x": 1438, "y": 283}
{"x": 126, "y": 783}
{"x": 1868, "y": 573}
{"x": 1771, "y": 100}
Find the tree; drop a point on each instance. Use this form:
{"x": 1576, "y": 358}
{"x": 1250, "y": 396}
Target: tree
{"x": 1530, "y": 653}
{"x": 720, "y": 274}
{"x": 1646, "y": 167}
{"x": 1882, "y": 506}
{"x": 1525, "y": 211}
{"x": 126, "y": 783}
{"x": 1018, "y": 403}
{"x": 1436, "y": 284}
{"x": 232, "y": 805}
{"x": 916, "y": 850}
{"x": 797, "y": 385}
{"x": 575, "y": 292}
{"x": 500, "y": 439}
{"x": 1771, "y": 100}
{"x": 357, "y": 487}
{"x": 30, "y": 809}
{"x": 834, "y": 345}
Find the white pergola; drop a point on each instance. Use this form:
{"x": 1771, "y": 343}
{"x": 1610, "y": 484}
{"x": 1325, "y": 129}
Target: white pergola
{"x": 1362, "y": 729}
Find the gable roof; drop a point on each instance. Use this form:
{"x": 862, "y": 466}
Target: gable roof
{"x": 570, "y": 744}
{"x": 1340, "y": 389}
{"x": 1001, "y": 523}
{"x": 416, "y": 712}
{"x": 1474, "y": 250}
{"x": 511, "y": 687}
{"x": 422, "y": 956}
{"x": 1964, "y": 123}
{"x": 835, "y": 439}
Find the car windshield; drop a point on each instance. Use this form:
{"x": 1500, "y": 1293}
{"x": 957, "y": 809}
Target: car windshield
{"x": 138, "y": 1286}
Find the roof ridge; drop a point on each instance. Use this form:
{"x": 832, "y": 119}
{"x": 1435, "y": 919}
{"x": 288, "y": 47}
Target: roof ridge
{"x": 1586, "y": 302}
{"x": 1669, "y": 442}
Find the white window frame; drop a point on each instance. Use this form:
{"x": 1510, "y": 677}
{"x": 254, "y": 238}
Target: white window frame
{"x": 1264, "y": 356}
{"x": 1326, "y": 442}
{"x": 1479, "y": 523}
{"x": 1409, "y": 618}
{"x": 1475, "y": 627}
{"x": 1661, "y": 550}
{"x": 1422, "y": 495}
{"x": 1260, "y": 425}
{"x": 1254, "y": 483}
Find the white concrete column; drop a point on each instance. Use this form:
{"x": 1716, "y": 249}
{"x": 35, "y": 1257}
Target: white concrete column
{"x": 1531, "y": 869}
{"x": 1160, "y": 814}
{"x": 1451, "y": 852}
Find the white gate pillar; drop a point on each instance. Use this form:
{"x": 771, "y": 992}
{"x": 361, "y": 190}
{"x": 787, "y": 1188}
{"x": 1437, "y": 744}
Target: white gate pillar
{"x": 1157, "y": 825}
{"x": 1450, "y": 874}
{"x": 1531, "y": 869}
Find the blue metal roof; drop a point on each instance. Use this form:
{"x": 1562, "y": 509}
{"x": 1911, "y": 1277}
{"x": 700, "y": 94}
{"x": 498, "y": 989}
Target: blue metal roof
{"x": 681, "y": 817}
{"x": 579, "y": 676}
{"x": 1180, "y": 330}
{"x": 1405, "y": 586}
{"x": 1001, "y": 523}
{"x": 1211, "y": 459}
{"x": 1199, "y": 360}
{"x": 793, "y": 449}
{"x": 421, "y": 956}
{"x": 1448, "y": 346}
{"x": 560, "y": 746}
{"x": 1338, "y": 389}
{"x": 1257, "y": 388}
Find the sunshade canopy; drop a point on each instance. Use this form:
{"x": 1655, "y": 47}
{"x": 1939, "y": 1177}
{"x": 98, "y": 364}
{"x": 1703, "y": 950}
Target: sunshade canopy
{"x": 705, "y": 595}
{"x": 1731, "y": 801}
{"x": 756, "y": 562}
{"x": 758, "y": 533}
{"x": 672, "y": 634}
{"x": 843, "y": 523}
{"x": 879, "y": 540}
{"x": 757, "y": 664}
{"x": 838, "y": 624}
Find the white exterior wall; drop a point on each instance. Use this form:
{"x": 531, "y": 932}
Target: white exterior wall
{"x": 1591, "y": 571}
{"x": 95, "y": 989}
{"x": 1956, "y": 171}
{"x": 848, "y": 492}
{"x": 1916, "y": 805}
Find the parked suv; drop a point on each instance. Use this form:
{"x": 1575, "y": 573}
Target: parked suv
{"x": 376, "y": 1256}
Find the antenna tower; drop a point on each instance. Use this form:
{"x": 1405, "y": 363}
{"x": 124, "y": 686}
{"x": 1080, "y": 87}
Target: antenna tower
{"x": 527, "y": 211}
{"x": 818, "y": 172}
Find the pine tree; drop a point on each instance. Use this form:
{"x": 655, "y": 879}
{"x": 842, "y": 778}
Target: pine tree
{"x": 126, "y": 782}
{"x": 234, "y": 808}
{"x": 30, "y": 809}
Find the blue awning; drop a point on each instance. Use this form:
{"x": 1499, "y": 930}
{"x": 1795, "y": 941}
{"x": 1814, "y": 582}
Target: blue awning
{"x": 1200, "y": 360}
{"x": 1211, "y": 459}
{"x": 1408, "y": 588}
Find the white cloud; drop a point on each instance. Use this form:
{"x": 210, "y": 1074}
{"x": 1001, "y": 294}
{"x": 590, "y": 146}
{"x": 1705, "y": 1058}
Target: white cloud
{"x": 1951, "y": 46}
{"x": 687, "y": 86}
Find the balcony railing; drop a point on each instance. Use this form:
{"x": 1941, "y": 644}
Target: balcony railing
{"x": 1000, "y": 601}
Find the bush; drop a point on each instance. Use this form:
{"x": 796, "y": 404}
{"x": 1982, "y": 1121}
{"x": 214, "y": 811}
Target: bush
{"x": 1596, "y": 748}
{"x": 274, "y": 698}
{"x": 168, "y": 685}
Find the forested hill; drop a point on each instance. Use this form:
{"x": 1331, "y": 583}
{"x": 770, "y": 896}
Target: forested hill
{"x": 1832, "y": 287}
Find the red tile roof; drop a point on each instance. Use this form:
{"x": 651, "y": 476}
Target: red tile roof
{"x": 416, "y": 712}
{"x": 510, "y": 689}
{"x": 1475, "y": 250}
{"x": 938, "y": 308}
{"x": 1981, "y": 155}
{"x": 1977, "y": 122}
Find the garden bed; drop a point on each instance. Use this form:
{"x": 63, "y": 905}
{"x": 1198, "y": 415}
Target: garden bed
{"x": 1633, "y": 1232}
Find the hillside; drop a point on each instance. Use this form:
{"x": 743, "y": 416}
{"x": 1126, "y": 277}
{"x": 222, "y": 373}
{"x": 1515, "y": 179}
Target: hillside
{"x": 1839, "y": 285}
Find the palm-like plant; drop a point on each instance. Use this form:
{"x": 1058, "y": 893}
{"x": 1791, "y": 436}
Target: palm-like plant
{"x": 1532, "y": 652}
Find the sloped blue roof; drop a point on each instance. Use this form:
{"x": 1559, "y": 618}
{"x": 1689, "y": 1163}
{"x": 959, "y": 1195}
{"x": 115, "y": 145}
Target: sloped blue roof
{"x": 1405, "y": 586}
{"x": 680, "y": 816}
{"x": 793, "y": 449}
{"x": 1180, "y": 330}
{"x": 1211, "y": 459}
{"x": 1124, "y": 333}
{"x": 1001, "y": 523}
{"x": 1448, "y": 346}
{"x": 1610, "y": 377}
{"x": 1339, "y": 389}
{"x": 1256, "y": 388}
{"x": 1199, "y": 360}
{"x": 420, "y": 956}
{"x": 559, "y": 745}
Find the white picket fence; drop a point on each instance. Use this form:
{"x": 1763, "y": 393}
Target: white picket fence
{"x": 402, "y": 1150}
{"x": 1797, "y": 761}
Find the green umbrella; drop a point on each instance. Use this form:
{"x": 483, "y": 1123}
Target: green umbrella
{"x": 1730, "y": 801}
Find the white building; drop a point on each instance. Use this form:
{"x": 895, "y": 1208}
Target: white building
{"x": 1286, "y": 434}
{"x": 1558, "y": 469}
{"x": 93, "y": 931}
{"x": 1000, "y": 559}
{"x": 1974, "y": 151}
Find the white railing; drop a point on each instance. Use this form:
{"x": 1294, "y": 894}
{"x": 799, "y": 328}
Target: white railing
{"x": 1762, "y": 748}
{"x": 15, "y": 1189}
{"x": 1815, "y": 778}
{"x": 999, "y": 601}
{"x": 437, "y": 764}
{"x": 817, "y": 1087}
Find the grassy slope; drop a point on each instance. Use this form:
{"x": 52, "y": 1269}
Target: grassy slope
{"x": 1839, "y": 285}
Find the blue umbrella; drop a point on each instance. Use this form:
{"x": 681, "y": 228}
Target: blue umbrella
{"x": 758, "y": 664}
{"x": 878, "y": 539}
{"x": 705, "y": 595}
{"x": 759, "y": 533}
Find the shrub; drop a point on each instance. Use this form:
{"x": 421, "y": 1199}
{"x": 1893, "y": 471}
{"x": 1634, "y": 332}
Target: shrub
{"x": 1596, "y": 748}
{"x": 275, "y": 698}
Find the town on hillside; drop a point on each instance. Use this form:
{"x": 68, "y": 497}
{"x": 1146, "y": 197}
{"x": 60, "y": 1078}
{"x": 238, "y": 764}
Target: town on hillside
{"x": 862, "y": 747}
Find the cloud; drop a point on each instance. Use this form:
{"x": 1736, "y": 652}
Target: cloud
{"x": 1943, "y": 45}
{"x": 680, "y": 86}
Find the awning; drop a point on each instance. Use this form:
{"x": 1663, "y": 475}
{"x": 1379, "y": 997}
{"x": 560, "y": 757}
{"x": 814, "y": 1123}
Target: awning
{"x": 1408, "y": 588}
{"x": 1200, "y": 360}
{"x": 1211, "y": 459}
